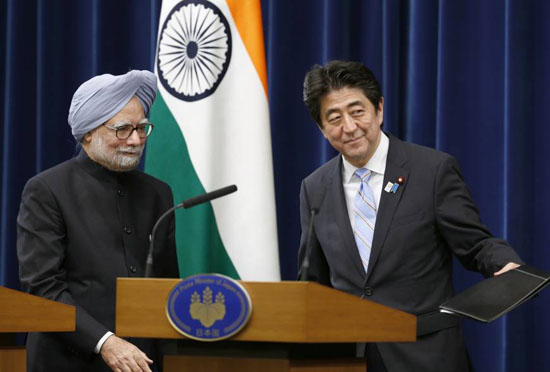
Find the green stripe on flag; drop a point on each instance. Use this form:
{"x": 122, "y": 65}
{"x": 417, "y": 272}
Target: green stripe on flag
{"x": 200, "y": 249}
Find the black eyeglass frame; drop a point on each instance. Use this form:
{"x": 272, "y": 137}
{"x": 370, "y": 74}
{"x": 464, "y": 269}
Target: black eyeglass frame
{"x": 134, "y": 128}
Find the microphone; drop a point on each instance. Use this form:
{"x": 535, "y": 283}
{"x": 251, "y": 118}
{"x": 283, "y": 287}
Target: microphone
{"x": 186, "y": 204}
{"x": 316, "y": 202}
{"x": 307, "y": 253}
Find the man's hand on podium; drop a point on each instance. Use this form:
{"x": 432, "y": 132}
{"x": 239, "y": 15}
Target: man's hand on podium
{"x": 122, "y": 356}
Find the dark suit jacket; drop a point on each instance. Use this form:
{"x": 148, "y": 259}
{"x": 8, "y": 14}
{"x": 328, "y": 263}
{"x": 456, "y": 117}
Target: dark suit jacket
{"x": 418, "y": 228}
{"x": 80, "y": 226}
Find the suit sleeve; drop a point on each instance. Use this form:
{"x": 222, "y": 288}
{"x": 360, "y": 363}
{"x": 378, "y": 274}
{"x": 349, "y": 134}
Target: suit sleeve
{"x": 459, "y": 222}
{"x": 41, "y": 249}
{"x": 318, "y": 270}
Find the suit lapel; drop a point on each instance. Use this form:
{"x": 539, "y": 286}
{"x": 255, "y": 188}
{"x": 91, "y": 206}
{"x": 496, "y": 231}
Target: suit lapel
{"x": 335, "y": 208}
{"x": 395, "y": 167}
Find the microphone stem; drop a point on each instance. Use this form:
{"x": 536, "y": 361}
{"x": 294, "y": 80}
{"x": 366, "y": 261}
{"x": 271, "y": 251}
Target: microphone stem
{"x": 305, "y": 263}
{"x": 189, "y": 203}
{"x": 149, "y": 262}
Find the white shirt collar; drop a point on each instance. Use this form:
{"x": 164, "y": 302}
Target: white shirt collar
{"x": 377, "y": 162}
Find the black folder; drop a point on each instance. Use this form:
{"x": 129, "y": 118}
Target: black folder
{"x": 492, "y": 298}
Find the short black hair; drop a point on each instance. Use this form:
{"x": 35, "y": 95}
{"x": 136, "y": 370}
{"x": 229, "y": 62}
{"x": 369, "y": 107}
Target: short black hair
{"x": 320, "y": 81}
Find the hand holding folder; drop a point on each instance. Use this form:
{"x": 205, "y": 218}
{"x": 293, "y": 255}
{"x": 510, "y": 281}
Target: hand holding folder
{"x": 492, "y": 298}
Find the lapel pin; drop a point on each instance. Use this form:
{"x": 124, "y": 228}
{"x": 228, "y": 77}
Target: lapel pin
{"x": 388, "y": 187}
{"x": 395, "y": 186}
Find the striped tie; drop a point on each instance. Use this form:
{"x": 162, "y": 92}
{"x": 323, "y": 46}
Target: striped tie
{"x": 364, "y": 218}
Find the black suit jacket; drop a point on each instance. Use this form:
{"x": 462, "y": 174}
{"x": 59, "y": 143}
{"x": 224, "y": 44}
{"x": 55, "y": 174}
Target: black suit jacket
{"x": 418, "y": 228}
{"x": 80, "y": 226}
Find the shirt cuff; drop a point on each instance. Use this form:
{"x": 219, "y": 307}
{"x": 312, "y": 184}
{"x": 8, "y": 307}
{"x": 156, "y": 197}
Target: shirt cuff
{"x": 101, "y": 341}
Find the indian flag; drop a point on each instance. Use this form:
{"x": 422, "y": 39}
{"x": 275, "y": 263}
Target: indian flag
{"x": 212, "y": 130}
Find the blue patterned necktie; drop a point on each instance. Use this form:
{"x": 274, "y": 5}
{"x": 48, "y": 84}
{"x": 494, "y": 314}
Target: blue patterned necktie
{"x": 364, "y": 211}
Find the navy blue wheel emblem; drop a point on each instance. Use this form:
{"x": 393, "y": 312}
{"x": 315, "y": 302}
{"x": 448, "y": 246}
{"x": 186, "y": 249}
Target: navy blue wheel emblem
{"x": 194, "y": 50}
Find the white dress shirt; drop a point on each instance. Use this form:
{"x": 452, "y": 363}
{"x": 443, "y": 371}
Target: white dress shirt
{"x": 377, "y": 164}
{"x": 101, "y": 341}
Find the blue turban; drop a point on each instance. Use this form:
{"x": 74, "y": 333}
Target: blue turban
{"x": 102, "y": 97}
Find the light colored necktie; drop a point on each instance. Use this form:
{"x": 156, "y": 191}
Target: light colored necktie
{"x": 364, "y": 211}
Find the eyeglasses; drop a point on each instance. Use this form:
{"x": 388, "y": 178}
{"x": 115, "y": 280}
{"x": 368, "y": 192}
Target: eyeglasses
{"x": 124, "y": 131}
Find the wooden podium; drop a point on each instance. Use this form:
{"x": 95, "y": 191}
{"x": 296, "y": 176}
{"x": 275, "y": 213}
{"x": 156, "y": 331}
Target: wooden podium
{"x": 21, "y": 312}
{"x": 284, "y": 313}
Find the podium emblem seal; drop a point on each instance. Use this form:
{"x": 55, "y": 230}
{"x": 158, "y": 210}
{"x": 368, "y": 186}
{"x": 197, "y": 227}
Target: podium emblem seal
{"x": 208, "y": 307}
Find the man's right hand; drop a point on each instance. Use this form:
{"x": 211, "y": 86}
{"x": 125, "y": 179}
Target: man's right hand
{"x": 122, "y": 356}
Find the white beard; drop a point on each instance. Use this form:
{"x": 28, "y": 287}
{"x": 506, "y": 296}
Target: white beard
{"x": 121, "y": 159}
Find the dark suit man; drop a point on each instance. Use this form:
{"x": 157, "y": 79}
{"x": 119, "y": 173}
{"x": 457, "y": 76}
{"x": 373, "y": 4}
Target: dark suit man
{"x": 87, "y": 221}
{"x": 421, "y": 214}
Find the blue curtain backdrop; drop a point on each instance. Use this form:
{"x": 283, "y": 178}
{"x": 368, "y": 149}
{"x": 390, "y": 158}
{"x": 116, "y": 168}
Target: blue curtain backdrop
{"x": 467, "y": 77}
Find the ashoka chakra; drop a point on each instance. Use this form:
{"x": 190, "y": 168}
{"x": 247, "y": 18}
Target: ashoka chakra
{"x": 194, "y": 50}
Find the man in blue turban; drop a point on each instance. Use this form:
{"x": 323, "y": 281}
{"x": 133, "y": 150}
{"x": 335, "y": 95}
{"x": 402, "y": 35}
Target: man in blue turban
{"x": 87, "y": 221}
